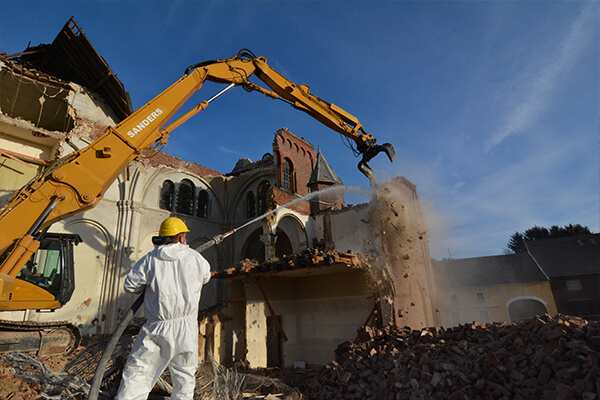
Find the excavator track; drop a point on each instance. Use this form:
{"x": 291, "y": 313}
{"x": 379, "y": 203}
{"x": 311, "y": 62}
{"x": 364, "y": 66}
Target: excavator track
{"x": 41, "y": 338}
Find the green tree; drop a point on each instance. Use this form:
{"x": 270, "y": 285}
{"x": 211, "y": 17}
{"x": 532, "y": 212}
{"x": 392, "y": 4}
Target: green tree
{"x": 572, "y": 230}
{"x": 516, "y": 243}
{"x": 536, "y": 233}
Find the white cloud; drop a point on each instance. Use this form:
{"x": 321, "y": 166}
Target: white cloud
{"x": 528, "y": 98}
{"x": 227, "y": 150}
{"x": 480, "y": 215}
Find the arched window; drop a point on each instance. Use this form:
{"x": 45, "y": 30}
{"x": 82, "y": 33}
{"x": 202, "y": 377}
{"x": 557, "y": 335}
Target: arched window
{"x": 202, "y": 210}
{"x": 523, "y": 309}
{"x": 167, "y": 193}
{"x": 254, "y": 248}
{"x": 287, "y": 175}
{"x": 283, "y": 245}
{"x": 184, "y": 203}
{"x": 250, "y": 205}
{"x": 262, "y": 197}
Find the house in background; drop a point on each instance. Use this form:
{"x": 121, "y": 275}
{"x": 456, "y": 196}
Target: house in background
{"x": 555, "y": 275}
{"x": 573, "y": 265}
{"x": 491, "y": 289}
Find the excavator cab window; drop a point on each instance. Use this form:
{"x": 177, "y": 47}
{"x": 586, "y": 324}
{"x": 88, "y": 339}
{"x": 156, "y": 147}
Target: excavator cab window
{"x": 51, "y": 266}
{"x": 45, "y": 267}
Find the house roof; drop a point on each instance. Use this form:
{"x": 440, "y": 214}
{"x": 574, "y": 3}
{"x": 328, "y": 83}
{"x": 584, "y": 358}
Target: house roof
{"x": 164, "y": 159}
{"x": 72, "y": 57}
{"x": 492, "y": 270}
{"x": 322, "y": 172}
{"x": 567, "y": 256}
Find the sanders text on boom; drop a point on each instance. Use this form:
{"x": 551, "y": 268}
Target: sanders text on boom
{"x": 144, "y": 123}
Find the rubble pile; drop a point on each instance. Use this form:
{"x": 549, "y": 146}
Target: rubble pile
{"x": 541, "y": 358}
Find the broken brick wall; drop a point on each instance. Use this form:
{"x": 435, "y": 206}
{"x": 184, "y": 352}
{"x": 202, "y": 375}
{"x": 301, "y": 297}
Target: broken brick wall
{"x": 397, "y": 218}
{"x": 279, "y": 197}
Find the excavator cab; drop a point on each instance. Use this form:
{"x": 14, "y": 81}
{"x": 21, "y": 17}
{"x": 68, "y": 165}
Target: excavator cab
{"x": 51, "y": 270}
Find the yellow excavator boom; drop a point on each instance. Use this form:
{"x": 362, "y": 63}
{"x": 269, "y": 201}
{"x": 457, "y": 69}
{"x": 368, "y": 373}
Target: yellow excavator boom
{"x": 78, "y": 181}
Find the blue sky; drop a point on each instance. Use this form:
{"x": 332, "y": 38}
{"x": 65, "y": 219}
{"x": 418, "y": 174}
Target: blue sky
{"x": 493, "y": 107}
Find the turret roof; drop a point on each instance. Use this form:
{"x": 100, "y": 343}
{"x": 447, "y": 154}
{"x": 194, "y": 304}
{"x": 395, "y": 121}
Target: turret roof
{"x": 322, "y": 172}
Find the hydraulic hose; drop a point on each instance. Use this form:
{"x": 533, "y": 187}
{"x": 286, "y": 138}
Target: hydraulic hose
{"x": 110, "y": 347}
{"x": 114, "y": 340}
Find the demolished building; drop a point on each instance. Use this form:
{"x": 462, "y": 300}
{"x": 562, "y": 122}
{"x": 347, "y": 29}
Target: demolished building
{"x": 314, "y": 271}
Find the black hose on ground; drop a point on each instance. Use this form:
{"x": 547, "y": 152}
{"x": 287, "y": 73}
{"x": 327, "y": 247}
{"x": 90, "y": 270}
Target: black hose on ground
{"x": 114, "y": 340}
{"x": 110, "y": 347}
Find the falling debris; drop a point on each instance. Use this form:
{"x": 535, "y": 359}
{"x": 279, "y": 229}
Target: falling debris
{"x": 396, "y": 220}
{"x": 318, "y": 296}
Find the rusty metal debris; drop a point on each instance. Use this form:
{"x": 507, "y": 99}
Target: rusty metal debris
{"x": 53, "y": 385}
{"x": 41, "y": 377}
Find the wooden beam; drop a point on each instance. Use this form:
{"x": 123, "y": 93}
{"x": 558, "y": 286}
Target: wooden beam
{"x": 272, "y": 312}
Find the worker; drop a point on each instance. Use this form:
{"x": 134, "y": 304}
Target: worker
{"x": 171, "y": 276}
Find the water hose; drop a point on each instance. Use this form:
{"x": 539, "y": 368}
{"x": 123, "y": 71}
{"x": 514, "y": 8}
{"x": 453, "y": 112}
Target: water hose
{"x": 114, "y": 340}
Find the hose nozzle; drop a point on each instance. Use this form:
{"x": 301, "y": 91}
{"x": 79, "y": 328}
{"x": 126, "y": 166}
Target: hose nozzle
{"x": 215, "y": 240}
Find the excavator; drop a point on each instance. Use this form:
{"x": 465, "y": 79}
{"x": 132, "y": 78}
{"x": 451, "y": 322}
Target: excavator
{"x": 37, "y": 270}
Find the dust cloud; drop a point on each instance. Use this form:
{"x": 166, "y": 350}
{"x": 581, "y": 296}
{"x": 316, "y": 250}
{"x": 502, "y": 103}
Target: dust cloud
{"x": 396, "y": 223}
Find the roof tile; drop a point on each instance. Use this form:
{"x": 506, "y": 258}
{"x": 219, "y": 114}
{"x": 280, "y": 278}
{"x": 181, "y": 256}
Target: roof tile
{"x": 492, "y": 270}
{"x": 567, "y": 256}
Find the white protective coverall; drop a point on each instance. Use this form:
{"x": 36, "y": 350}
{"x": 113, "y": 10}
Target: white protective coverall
{"x": 172, "y": 276}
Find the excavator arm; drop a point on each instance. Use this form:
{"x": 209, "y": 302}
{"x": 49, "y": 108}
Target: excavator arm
{"x": 237, "y": 71}
{"x": 78, "y": 181}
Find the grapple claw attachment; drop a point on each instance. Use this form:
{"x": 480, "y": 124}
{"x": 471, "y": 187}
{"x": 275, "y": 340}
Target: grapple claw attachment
{"x": 364, "y": 168}
{"x": 387, "y": 148}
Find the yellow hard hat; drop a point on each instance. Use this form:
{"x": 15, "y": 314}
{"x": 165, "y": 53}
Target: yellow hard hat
{"x": 172, "y": 226}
